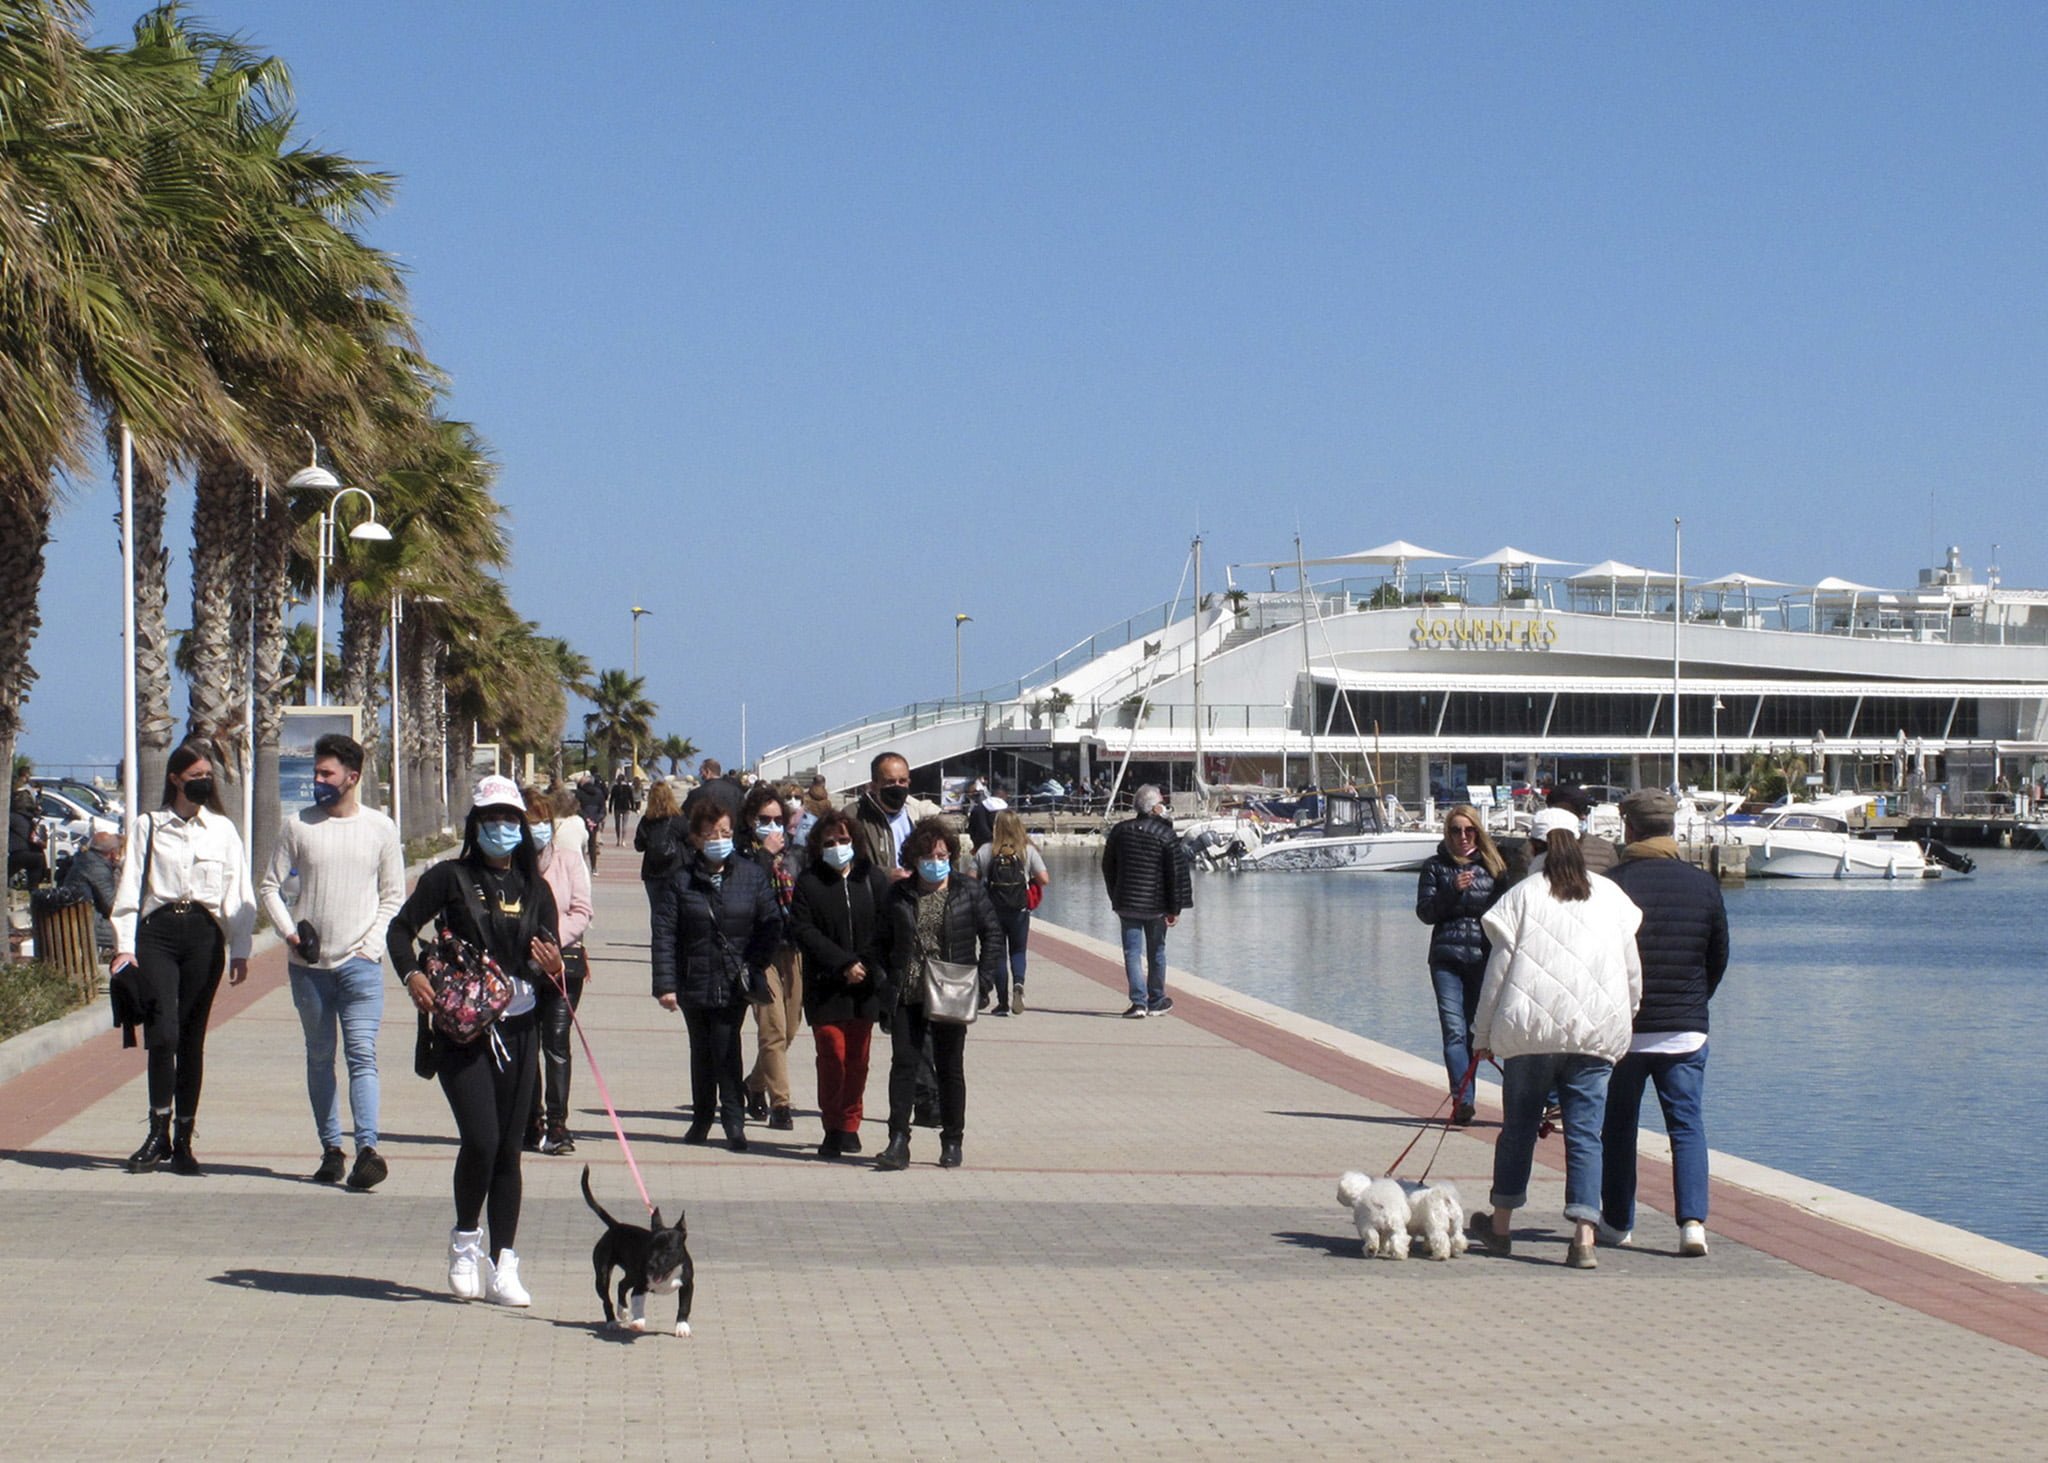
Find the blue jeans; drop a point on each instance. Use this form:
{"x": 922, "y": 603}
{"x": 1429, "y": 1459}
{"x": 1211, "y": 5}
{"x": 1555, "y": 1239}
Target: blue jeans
{"x": 1581, "y": 1084}
{"x": 1016, "y": 932}
{"x": 1457, "y": 1001}
{"x": 1145, "y": 959}
{"x": 352, "y": 996}
{"x": 1681, "y": 1080}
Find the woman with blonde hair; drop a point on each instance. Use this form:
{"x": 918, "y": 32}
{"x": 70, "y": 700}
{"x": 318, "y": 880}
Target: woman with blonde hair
{"x": 1456, "y": 888}
{"x": 659, "y": 837}
{"x": 1009, "y": 867}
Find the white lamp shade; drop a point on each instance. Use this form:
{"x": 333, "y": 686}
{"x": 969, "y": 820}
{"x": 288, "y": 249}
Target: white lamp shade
{"x": 313, "y": 477}
{"x": 372, "y": 532}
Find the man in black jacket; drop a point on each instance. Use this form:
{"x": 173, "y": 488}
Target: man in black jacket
{"x": 1683, "y": 941}
{"x": 1146, "y": 870}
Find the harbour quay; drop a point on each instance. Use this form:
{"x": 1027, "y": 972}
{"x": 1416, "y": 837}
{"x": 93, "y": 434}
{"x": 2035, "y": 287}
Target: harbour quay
{"x": 1422, "y": 675}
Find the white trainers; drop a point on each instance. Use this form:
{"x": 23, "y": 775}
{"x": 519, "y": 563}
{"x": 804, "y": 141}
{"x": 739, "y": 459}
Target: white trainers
{"x": 505, "y": 1289}
{"x": 466, "y": 1263}
{"x": 1692, "y": 1238}
{"x": 1611, "y": 1236}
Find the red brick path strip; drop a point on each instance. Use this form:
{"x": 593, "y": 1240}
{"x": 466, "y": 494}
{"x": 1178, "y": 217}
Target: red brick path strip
{"x": 42, "y": 1099}
{"x": 2001, "y": 1310}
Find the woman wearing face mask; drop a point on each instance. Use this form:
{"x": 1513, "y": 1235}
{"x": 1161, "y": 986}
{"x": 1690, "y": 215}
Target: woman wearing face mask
{"x": 715, "y": 926}
{"x": 493, "y": 895}
{"x": 838, "y": 922}
{"x": 185, "y": 906}
{"x": 562, "y": 865}
{"x": 765, "y": 840}
{"x": 932, "y": 916}
{"x": 1456, "y": 887}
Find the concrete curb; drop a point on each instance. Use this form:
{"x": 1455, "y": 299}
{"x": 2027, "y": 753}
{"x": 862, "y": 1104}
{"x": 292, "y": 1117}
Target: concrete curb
{"x": 32, "y": 1048}
{"x": 1985, "y": 1256}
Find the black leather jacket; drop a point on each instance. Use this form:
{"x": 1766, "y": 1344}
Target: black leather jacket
{"x": 1456, "y": 941}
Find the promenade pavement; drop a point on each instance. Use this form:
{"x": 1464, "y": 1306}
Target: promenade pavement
{"x": 1143, "y": 1258}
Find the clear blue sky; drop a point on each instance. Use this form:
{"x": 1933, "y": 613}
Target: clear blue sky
{"x": 806, "y": 326}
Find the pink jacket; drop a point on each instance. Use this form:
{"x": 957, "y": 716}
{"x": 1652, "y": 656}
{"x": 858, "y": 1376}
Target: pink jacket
{"x": 568, "y": 875}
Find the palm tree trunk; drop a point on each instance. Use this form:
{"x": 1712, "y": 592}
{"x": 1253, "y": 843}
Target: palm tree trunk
{"x": 24, "y": 531}
{"x": 154, "y": 728}
{"x": 421, "y": 731}
{"x": 270, "y": 585}
{"x": 221, "y": 520}
{"x": 362, "y": 638}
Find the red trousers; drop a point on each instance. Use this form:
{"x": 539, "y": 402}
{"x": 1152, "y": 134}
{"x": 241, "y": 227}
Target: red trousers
{"x": 842, "y": 1071}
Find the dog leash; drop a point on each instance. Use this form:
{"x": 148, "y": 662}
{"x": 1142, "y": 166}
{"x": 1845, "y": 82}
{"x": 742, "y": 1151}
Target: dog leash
{"x": 603, "y": 1092}
{"x": 1464, "y": 1085}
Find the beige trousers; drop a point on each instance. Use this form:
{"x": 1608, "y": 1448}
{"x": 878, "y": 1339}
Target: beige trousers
{"x": 776, "y": 1024}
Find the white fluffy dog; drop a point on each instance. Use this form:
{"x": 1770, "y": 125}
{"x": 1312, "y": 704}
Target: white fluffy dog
{"x": 1380, "y": 1209}
{"x": 1436, "y": 1216}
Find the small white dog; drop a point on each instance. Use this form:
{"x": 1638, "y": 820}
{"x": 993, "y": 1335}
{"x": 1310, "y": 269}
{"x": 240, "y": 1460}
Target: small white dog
{"x": 1436, "y": 1216}
{"x": 1380, "y": 1209}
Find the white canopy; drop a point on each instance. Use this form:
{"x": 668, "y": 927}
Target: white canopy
{"x": 1832, "y": 585}
{"x": 1613, "y": 571}
{"x": 1744, "y": 581}
{"x": 1512, "y": 557}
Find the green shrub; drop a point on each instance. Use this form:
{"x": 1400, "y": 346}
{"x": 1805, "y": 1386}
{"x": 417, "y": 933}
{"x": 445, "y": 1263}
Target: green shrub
{"x": 32, "y": 993}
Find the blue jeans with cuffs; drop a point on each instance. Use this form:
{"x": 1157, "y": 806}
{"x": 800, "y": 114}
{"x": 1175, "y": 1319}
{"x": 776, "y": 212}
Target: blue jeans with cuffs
{"x": 350, "y": 997}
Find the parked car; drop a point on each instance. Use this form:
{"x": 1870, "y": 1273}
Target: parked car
{"x": 101, "y": 804}
{"x": 68, "y": 824}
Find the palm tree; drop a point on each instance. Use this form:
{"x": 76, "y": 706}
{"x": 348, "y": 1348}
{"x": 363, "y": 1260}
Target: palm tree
{"x": 679, "y": 750}
{"x": 624, "y": 718}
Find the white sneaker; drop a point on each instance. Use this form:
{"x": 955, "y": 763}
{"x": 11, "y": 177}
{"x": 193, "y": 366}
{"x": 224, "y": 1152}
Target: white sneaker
{"x": 1609, "y": 1235}
{"x": 505, "y": 1289}
{"x": 1692, "y": 1238}
{"x": 465, "y": 1263}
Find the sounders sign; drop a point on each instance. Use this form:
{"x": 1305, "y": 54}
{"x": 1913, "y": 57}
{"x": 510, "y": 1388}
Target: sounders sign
{"x": 1466, "y": 634}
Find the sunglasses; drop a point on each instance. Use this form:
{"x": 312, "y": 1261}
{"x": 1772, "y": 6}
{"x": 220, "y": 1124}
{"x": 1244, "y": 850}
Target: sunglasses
{"x": 1463, "y": 831}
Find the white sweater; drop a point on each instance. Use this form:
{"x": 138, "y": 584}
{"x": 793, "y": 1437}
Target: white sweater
{"x": 351, "y": 881}
{"x": 1563, "y": 976}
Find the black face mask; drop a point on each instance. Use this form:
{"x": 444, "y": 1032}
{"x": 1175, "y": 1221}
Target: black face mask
{"x": 199, "y": 789}
{"x": 893, "y": 798}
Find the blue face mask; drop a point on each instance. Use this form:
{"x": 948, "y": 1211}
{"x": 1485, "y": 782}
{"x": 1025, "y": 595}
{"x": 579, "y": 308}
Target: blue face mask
{"x": 543, "y": 834}
{"x": 838, "y": 855}
{"x": 325, "y": 794}
{"x": 498, "y": 839}
{"x": 718, "y": 850}
{"x": 762, "y": 830}
{"x": 934, "y": 869}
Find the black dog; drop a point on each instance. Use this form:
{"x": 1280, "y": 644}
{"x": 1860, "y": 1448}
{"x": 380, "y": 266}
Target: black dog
{"x": 653, "y": 1259}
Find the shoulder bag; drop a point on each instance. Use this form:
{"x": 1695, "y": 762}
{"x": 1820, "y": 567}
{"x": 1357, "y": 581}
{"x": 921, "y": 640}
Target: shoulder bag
{"x": 952, "y": 988}
{"x": 471, "y": 991}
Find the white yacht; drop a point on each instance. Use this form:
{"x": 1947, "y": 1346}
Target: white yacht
{"x": 1814, "y": 841}
{"x": 1352, "y": 835}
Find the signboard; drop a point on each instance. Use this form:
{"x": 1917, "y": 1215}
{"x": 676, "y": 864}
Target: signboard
{"x": 303, "y": 726}
{"x": 1461, "y": 633}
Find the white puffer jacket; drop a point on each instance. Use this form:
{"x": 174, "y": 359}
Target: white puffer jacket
{"x": 1563, "y": 977}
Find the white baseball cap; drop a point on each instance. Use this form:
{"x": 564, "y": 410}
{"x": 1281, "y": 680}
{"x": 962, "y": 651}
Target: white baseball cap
{"x": 1553, "y": 820}
{"x": 498, "y": 792}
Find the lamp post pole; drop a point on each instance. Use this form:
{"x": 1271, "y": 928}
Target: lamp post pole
{"x": 397, "y": 746}
{"x": 958, "y": 621}
{"x": 637, "y": 613}
{"x": 316, "y": 476}
{"x": 130, "y": 748}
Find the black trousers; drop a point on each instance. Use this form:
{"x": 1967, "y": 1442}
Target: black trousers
{"x": 555, "y": 1023}
{"x": 715, "y": 1074}
{"x": 182, "y": 953}
{"x": 491, "y": 1094}
{"x": 909, "y": 1031}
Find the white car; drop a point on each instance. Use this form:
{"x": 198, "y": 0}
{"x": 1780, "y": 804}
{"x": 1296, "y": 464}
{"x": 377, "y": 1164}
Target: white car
{"x": 68, "y": 824}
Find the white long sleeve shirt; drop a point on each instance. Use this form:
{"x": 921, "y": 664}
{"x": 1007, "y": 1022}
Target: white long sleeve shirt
{"x": 200, "y": 859}
{"x": 351, "y": 881}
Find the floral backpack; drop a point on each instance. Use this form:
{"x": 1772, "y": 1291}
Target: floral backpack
{"x": 471, "y": 990}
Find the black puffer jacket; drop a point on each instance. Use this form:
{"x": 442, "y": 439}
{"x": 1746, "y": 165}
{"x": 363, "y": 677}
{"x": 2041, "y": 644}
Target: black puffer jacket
{"x": 661, "y": 845}
{"x": 972, "y": 933}
{"x": 837, "y": 921}
{"x": 1683, "y": 938}
{"x": 707, "y": 935}
{"x": 1146, "y": 869}
{"x": 1456, "y": 941}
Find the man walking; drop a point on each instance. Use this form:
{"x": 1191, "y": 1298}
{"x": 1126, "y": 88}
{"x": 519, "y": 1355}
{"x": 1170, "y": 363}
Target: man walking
{"x": 1683, "y": 940}
{"x": 351, "y": 882}
{"x": 885, "y": 812}
{"x": 1150, "y": 883}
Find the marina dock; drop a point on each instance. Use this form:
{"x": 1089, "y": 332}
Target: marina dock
{"x": 1143, "y": 1258}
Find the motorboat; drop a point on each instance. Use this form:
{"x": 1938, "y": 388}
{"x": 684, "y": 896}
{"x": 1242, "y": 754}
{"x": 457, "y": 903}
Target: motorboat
{"x": 1815, "y": 840}
{"x": 1352, "y": 835}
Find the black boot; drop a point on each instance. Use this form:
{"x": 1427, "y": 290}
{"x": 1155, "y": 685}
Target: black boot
{"x": 897, "y": 1154}
{"x": 700, "y": 1131}
{"x": 949, "y": 1153}
{"x": 155, "y": 1148}
{"x": 182, "y": 1160}
{"x": 736, "y": 1135}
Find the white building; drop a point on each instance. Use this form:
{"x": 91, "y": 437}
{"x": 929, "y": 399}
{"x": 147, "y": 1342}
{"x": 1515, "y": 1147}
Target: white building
{"x": 1495, "y": 670}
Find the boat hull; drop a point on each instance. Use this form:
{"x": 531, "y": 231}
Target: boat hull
{"x": 1372, "y": 853}
{"x": 1831, "y": 856}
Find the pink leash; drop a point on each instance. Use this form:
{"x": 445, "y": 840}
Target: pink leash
{"x": 603, "y": 1092}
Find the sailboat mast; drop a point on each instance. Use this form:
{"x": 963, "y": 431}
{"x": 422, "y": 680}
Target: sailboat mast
{"x": 1307, "y": 664}
{"x": 1677, "y": 623}
{"x": 1201, "y": 796}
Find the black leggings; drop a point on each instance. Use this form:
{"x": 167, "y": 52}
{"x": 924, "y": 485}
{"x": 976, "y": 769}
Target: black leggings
{"x": 554, "y": 1046}
{"x": 492, "y": 1102}
{"x": 182, "y": 951}
{"x": 909, "y": 1032}
{"x": 715, "y": 1076}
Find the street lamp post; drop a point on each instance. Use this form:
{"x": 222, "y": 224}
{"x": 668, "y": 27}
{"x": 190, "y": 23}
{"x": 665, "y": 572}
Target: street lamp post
{"x": 637, "y": 613}
{"x": 958, "y": 621}
{"x": 397, "y": 754}
{"x": 313, "y": 475}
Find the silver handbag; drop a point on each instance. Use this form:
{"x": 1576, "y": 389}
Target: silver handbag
{"x": 952, "y": 991}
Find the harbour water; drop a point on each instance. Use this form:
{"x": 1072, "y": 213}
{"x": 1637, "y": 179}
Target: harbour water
{"x": 1884, "y": 1039}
